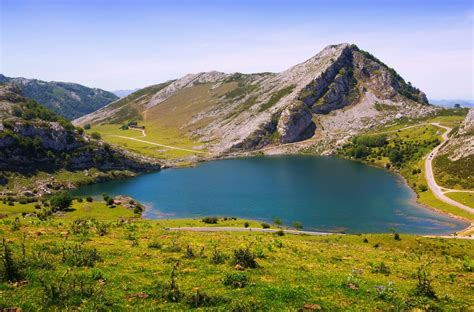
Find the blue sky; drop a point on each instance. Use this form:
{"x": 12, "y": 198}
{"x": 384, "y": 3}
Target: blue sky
{"x": 129, "y": 44}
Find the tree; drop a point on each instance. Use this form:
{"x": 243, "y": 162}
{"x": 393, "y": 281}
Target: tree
{"x": 61, "y": 201}
{"x": 277, "y": 222}
{"x": 395, "y": 156}
{"x": 361, "y": 151}
{"x": 457, "y": 105}
{"x": 298, "y": 225}
{"x": 95, "y": 135}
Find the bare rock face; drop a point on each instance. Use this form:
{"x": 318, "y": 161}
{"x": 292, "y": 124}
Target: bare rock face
{"x": 295, "y": 123}
{"x": 461, "y": 144}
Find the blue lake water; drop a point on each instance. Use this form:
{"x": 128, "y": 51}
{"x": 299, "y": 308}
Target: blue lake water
{"x": 322, "y": 193}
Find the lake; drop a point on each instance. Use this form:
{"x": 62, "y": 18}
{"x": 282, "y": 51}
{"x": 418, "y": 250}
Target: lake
{"x": 322, "y": 193}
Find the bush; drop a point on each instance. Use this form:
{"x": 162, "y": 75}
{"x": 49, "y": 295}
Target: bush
{"x": 154, "y": 245}
{"x": 280, "y": 232}
{"x": 245, "y": 258}
{"x": 80, "y": 200}
{"x": 381, "y": 268}
{"x": 217, "y": 256}
{"x": 80, "y": 256}
{"x": 236, "y": 280}
{"x": 424, "y": 287}
{"x": 10, "y": 268}
{"x": 189, "y": 252}
{"x": 210, "y": 220}
{"x": 61, "y": 201}
{"x": 265, "y": 225}
{"x": 96, "y": 135}
{"x": 422, "y": 188}
{"x": 297, "y": 225}
{"x": 89, "y": 199}
{"x": 87, "y": 126}
{"x": 246, "y": 224}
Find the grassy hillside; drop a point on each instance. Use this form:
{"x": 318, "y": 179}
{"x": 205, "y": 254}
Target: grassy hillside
{"x": 403, "y": 149}
{"x": 119, "y": 262}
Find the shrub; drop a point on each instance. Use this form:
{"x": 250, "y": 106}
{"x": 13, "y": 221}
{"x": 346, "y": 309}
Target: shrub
{"x": 381, "y": 268}
{"x": 297, "y": 225}
{"x": 68, "y": 290}
{"x": 424, "y": 285}
{"x": 61, "y": 201}
{"x": 265, "y": 225}
{"x": 87, "y": 126}
{"x": 89, "y": 199}
{"x": 171, "y": 291}
{"x": 236, "y": 280}
{"x": 210, "y": 220}
{"x": 81, "y": 226}
{"x": 189, "y": 252}
{"x": 280, "y": 232}
{"x": 396, "y": 237}
{"x": 277, "y": 222}
{"x": 217, "y": 256}
{"x": 79, "y": 256}
{"x": 154, "y": 245}
{"x": 245, "y": 258}
{"x": 101, "y": 228}
{"x": 10, "y": 269}
{"x": 80, "y": 200}
{"x": 422, "y": 188}
{"x": 96, "y": 135}
{"x": 246, "y": 224}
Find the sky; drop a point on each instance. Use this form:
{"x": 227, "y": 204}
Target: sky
{"x": 130, "y": 44}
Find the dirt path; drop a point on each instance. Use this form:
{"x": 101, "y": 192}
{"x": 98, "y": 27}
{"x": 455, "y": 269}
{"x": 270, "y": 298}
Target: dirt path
{"x": 434, "y": 187}
{"x": 153, "y": 143}
{"x": 236, "y": 229}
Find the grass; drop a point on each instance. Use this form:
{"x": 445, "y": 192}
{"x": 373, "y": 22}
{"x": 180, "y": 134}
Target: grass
{"x": 334, "y": 272}
{"x": 170, "y": 123}
{"x": 462, "y": 197}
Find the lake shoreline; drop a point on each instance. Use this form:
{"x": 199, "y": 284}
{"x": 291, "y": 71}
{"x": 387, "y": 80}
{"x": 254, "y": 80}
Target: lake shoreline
{"x": 410, "y": 200}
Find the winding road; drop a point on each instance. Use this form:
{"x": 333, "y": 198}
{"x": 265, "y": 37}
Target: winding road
{"x": 438, "y": 191}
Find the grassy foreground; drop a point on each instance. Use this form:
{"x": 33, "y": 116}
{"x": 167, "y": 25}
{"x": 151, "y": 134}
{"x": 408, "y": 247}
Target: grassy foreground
{"x": 117, "y": 261}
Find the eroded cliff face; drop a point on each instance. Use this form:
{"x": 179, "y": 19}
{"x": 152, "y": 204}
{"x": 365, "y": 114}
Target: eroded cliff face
{"x": 295, "y": 123}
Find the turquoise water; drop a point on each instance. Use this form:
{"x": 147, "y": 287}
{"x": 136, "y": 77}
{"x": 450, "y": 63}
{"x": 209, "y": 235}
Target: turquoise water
{"x": 323, "y": 193}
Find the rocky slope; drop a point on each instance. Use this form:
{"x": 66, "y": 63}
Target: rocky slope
{"x": 332, "y": 96}
{"x": 34, "y": 138}
{"x": 461, "y": 144}
{"x": 69, "y": 100}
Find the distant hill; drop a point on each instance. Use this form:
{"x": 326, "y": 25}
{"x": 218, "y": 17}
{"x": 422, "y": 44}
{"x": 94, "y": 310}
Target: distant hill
{"x": 334, "y": 95}
{"x": 33, "y": 137}
{"x": 125, "y": 92}
{"x": 70, "y": 100}
{"x": 451, "y": 103}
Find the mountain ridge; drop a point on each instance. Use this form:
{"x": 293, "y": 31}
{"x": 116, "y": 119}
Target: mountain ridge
{"x": 240, "y": 112}
{"x": 70, "y": 100}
